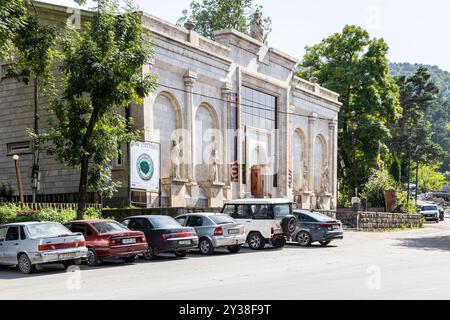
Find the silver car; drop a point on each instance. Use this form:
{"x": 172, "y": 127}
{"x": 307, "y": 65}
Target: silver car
{"x": 215, "y": 231}
{"x": 31, "y": 244}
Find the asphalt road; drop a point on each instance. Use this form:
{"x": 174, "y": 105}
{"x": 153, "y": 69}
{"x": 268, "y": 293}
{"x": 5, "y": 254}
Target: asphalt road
{"x": 397, "y": 265}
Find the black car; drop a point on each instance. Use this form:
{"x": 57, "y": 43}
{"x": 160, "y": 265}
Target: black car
{"x": 164, "y": 234}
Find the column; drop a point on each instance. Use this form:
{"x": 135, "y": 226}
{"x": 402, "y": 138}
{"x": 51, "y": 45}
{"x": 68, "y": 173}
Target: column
{"x": 332, "y": 125}
{"x": 226, "y": 90}
{"x": 189, "y": 80}
{"x": 311, "y": 137}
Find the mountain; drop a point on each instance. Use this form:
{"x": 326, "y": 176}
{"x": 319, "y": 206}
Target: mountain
{"x": 439, "y": 114}
{"x": 439, "y": 76}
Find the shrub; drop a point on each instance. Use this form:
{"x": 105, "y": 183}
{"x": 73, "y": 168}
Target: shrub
{"x": 374, "y": 189}
{"x": 13, "y": 213}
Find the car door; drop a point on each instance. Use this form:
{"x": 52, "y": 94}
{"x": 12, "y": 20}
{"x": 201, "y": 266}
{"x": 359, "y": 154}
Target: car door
{"x": 196, "y": 222}
{"x": 243, "y": 215}
{"x": 140, "y": 224}
{"x": 262, "y": 218}
{"x": 3, "y": 231}
{"x": 85, "y": 230}
{"x": 11, "y": 245}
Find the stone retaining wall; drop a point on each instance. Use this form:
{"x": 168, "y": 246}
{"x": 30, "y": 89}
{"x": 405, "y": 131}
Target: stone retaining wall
{"x": 367, "y": 221}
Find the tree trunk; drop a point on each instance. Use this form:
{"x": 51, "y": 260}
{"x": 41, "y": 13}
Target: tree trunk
{"x": 83, "y": 187}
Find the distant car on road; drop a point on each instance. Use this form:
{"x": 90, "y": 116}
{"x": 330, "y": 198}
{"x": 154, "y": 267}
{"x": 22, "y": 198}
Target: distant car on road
{"x": 430, "y": 212}
{"x": 316, "y": 227}
{"x": 266, "y": 220}
{"x": 29, "y": 245}
{"x": 214, "y": 231}
{"x": 109, "y": 239}
{"x": 164, "y": 234}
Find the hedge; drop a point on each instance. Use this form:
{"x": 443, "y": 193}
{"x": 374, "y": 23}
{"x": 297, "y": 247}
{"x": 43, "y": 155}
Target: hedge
{"x": 10, "y": 213}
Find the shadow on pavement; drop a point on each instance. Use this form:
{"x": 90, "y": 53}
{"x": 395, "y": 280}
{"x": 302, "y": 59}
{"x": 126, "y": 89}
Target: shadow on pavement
{"x": 441, "y": 243}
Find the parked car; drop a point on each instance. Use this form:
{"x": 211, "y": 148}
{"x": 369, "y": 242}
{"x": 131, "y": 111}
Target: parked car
{"x": 430, "y": 212}
{"x": 109, "y": 239}
{"x": 215, "y": 231}
{"x": 265, "y": 220}
{"x": 316, "y": 227}
{"x": 441, "y": 213}
{"x": 164, "y": 234}
{"x": 29, "y": 245}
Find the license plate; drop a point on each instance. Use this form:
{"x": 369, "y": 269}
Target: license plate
{"x": 233, "y": 231}
{"x": 184, "y": 242}
{"x": 66, "y": 256}
{"x": 336, "y": 226}
{"x": 128, "y": 241}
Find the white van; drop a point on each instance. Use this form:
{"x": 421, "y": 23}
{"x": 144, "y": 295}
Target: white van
{"x": 266, "y": 220}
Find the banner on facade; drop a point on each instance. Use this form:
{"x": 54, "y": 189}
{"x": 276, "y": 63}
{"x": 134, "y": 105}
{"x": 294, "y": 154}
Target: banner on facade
{"x": 145, "y": 165}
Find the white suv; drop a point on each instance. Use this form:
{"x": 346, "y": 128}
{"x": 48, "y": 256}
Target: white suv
{"x": 265, "y": 220}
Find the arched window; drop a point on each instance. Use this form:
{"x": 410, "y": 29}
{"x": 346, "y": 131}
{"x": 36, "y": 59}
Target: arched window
{"x": 205, "y": 122}
{"x": 164, "y": 125}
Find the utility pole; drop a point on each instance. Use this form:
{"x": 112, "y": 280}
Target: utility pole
{"x": 409, "y": 169}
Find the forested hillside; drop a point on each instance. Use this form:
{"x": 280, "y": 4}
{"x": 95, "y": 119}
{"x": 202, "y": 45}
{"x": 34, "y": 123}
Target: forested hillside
{"x": 439, "y": 113}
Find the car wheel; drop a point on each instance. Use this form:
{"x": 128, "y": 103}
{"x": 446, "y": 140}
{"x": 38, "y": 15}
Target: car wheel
{"x": 206, "y": 247}
{"x": 304, "y": 239}
{"x": 234, "y": 249}
{"x": 324, "y": 243}
{"x": 278, "y": 243}
{"x": 150, "y": 254}
{"x": 256, "y": 241}
{"x": 92, "y": 259}
{"x": 25, "y": 265}
{"x": 181, "y": 254}
{"x": 130, "y": 259}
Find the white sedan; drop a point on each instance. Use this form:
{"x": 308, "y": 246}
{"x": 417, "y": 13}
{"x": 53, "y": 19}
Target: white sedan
{"x": 31, "y": 244}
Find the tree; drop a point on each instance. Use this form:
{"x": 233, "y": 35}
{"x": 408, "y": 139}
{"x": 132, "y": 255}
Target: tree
{"x": 13, "y": 15}
{"x": 213, "y": 15}
{"x": 430, "y": 179}
{"x": 412, "y": 135}
{"x": 356, "y": 66}
{"x": 373, "y": 190}
{"x": 101, "y": 73}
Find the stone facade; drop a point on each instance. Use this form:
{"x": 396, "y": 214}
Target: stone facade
{"x": 233, "y": 97}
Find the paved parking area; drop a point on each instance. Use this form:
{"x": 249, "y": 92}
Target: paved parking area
{"x": 396, "y": 265}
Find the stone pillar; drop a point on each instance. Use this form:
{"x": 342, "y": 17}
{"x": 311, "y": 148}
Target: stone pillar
{"x": 226, "y": 90}
{"x": 332, "y": 125}
{"x": 311, "y": 137}
{"x": 189, "y": 80}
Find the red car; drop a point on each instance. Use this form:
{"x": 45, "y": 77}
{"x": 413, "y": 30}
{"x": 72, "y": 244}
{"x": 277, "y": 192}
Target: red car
{"x": 109, "y": 239}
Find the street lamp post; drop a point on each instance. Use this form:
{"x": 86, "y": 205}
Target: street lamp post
{"x": 19, "y": 179}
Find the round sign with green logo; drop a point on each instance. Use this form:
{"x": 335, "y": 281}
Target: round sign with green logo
{"x": 145, "y": 167}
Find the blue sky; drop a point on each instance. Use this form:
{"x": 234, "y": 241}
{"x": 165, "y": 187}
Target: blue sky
{"x": 415, "y": 30}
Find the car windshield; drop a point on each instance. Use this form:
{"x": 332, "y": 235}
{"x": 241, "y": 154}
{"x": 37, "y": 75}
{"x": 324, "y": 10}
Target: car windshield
{"x": 222, "y": 219}
{"x": 109, "y": 226}
{"x": 165, "y": 222}
{"x": 47, "y": 229}
{"x": 282, "y": 210}
{"x": 429, "y": 208}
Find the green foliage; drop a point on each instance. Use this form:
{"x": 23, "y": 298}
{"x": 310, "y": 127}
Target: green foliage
{"x": 438, "y": 114}
{"x": 413, "y": 133}
{"x": 374, "y": 189}
{"x": 402, "y": 199}
{"x": 12, "y": 20}
{"x": 356, "y": 67}
{"x": 429, "y": 178}
{"x": 396, "y": 170}
{"x": 213, "y": 15}
{"x": 101, "y": 74}
{"x": 6, "y": 192}
{"x": 10, "y": 213}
